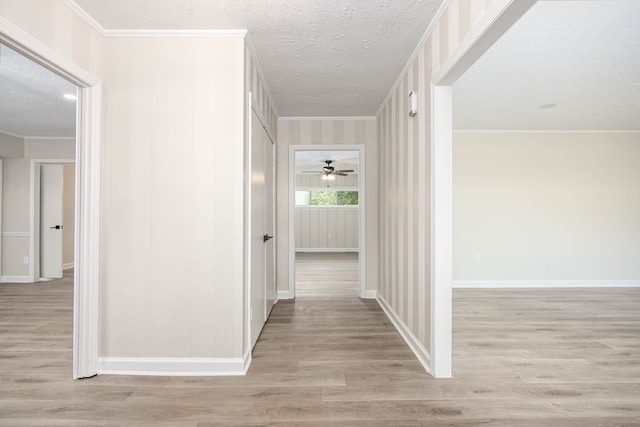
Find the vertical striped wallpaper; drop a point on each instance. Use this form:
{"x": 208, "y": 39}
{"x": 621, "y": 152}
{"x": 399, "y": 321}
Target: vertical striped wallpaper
{"x": 405, "y": 183}
{"x": 300, "y": 131}
{"x": 326, "y": 228}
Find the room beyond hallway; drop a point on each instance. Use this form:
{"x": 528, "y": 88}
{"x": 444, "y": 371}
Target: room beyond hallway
{"x": 326, "y": 274}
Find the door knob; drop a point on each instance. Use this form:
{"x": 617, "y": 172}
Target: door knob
{"x": 266, "y": 238}
{"x": 56, "y": 227}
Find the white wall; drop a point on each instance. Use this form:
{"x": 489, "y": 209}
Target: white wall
{"x": 11, "y": 146}
{"x": 546, "y": 207}
{"x": 15, "y": 194}
{"x": 15, "y": 217}
{"x": 50, "y": 148}
{"x": 68, "y": 215}
{"x": 334, "y": 131}
{"x": 326, "y": 229}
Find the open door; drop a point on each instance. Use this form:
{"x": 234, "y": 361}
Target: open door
{"x": 51, "y": 216}
{"x": 262, "y": 227}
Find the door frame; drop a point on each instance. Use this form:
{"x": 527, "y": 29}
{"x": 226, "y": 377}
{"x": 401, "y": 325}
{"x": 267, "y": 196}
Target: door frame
{"x": 360, "y": 148}
{"x": 86, "y": 288}
{"x": 34, "y": 213}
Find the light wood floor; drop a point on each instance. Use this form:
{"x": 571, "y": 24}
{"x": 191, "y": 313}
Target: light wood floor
{"x": 522, "y": 358}
{"x": 321, "y": 275}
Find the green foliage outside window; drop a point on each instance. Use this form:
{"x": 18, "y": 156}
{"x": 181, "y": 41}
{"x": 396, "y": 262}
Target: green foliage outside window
{"x": 326, "y": 198}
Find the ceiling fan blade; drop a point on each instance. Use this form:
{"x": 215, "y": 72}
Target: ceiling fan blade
{"x": 345, "y": 170}
{"x": 311, "y": 172}
{"x": 341, "y": 174}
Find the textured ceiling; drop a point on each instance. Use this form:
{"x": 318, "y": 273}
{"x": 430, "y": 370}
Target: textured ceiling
{"x": 565, "y": 65}
{"x": 319, "y": 57}
{"x": 31, "y": 102}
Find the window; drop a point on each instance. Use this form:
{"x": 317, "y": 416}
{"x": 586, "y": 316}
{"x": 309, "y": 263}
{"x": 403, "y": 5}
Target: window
{"x": 326, "y": 198}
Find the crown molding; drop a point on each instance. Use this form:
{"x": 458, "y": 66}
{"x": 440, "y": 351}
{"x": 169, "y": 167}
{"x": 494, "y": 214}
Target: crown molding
{"x": 506, "y": 131}
{"x": 436, "y": 19}
{"x": 85, "y": 16}
{"x": 78, "y": 10}
{"x": 13, "y": 135}
{"x": 300, "y": 118}
{"x": 49, "y": 138}
{"x": 175, "y": 33}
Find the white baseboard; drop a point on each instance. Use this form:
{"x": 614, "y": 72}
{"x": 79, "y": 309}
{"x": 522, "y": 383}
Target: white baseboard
{"x": 370, "y": 294}
{"x": 15, "y": 279}
{"x": 327, "y": 250}
{"x": 175, "y": 366}
{"x": 67, "y": 266}
{"x": 412, "y": 341}
{"x": 546, "y": 283}
{"x": 284, "y": 295}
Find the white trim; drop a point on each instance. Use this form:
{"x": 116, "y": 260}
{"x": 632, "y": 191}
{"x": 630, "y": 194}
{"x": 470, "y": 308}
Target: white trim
{"x": 301, "y": 118}
{"x": 175, "y": 33}
{"x": 325, "y": 188}
{"x": 175, "y": 366}
{"x": 284, "y": 295}
{"x": 361, "y": 211}
{"x": 500, "y": 16}
{"x": 503, "y": 131}
{"x": 84, "y": 15}
{"x": 14, "y": 233}
{"x": 49, "y": 138}
{"x": 327, "y": 250}
{"x": 2, "y": 235}
{"x": 496, "y": 284}
{"x": 14, "y": 135}
{"x": 15, "y": 279}
{"x": 432, "y": 25}
{"x": 327, "y": 207}
{"x": 67, "y": 266}
{"x": 370, "y": 294}
{"x": 441, "y": 230}
{"x": 86, "y": 306}
{"x": 412, "y": 341}
{"x": 263, "y": 81}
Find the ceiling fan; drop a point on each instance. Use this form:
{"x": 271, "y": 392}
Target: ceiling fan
{"x": 328, "y": 172}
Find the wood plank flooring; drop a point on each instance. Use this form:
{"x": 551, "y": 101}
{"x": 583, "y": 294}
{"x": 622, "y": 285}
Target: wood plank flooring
{"x": 326, "y": 274}
{"x": 553, "y": 357}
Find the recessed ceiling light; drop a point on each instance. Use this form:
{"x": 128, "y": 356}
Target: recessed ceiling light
{"x": 70, "y": 96}
{"x": 547, "y": 106}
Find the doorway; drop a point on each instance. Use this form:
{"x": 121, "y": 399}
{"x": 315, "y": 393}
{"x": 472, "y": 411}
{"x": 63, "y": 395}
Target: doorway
{"x": 53, "y": 218}
{"x": 87, "y": 203}
{"x": 326, "y": 218}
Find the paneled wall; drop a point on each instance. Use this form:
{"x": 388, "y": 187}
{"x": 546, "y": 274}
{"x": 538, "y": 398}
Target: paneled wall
{"x": 405, "y": 182}
{"x": 334, "y": 131}
{"x": 173, "y": 197}
{"x": 535, "y": 209}
{"x": 326, "y": 229}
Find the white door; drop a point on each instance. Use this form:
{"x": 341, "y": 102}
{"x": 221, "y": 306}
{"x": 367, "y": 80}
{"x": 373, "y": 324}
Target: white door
{"x": 270, "y": 250}
{"x": 51, "y": 197}
{"x": 258, "y": 202}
